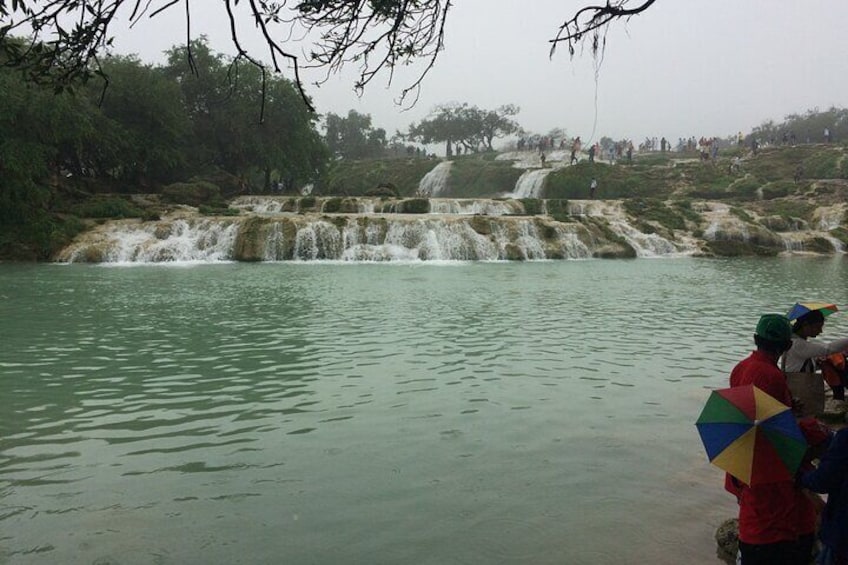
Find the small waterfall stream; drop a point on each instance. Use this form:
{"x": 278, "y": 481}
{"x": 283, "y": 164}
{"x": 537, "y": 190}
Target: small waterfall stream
{"x": 435, "y": 182}
{"x": 530, "y": 184}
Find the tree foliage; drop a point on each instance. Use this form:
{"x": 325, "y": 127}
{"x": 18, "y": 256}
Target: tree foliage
{"x": 154, "y": 126}
{"x": 353, "y": 137}
{"x": 808, "y": 126}
{"x": 466, "y": 126}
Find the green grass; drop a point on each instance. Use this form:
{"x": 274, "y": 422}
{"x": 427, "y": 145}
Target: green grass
{"x": 481, "y": 178}
{"x": 358, "y": 178}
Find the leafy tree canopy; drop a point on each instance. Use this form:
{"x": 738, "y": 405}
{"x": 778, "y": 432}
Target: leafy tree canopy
{"x": 465, "y": 126}
{"x": 353, "y": 137}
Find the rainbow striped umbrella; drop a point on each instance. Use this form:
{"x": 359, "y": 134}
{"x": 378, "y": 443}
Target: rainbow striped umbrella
{"x": 801, "y": 308}
{"x": 751, "y": 435}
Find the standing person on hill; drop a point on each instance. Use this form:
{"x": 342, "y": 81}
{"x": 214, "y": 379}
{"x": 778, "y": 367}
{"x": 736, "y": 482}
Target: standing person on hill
{"x": 801, "y": 358}
{"x": 769, "y": 514}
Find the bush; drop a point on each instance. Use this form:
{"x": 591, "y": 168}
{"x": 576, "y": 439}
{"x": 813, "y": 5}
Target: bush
{"x": 106, "y": 207}
{"x": 207, "y": 210}
{"x": 382, "y": 192}
{"x": 532, "y": 206}
{"x": 746, "y": 187}
{"x": 192, "y": 193}
{"x": 415, "y": 206}
{"x": 558, "y": 209}
{"x": 651, "y": 209}
{"x": 778, "y": 189}
{"x": 332, "y": 205}
{"x": 307, "y": 203}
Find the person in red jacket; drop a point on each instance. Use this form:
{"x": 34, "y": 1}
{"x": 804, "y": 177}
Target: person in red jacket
{"x": 769, "y": 525}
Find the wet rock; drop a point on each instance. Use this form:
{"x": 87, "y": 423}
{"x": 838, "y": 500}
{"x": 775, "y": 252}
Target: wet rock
{"x": 727, "y": 540}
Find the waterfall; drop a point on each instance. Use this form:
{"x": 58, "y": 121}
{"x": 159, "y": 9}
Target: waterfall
{"x": 793, "y": 242}
{"x": 530, "y": 183}
{"x": 472, "y": 207}
{"x": 435, "y": 182}
{"x": 645, "y": 245}
{"x": 838, "y": 246}
{"x": 832, "y": 217}
{"x": 181, "y": 240}
{"x": 572, "y": 246}
{"x": 271, "y": 229}
{"x": 317, "y": 237}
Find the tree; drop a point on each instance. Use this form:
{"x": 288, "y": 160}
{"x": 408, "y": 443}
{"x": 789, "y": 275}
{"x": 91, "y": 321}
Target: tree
{"x": 68, "y": 36}
{"x": 808, "y": 126}
{"x": 353, "y": 137}
{"x": 496, "y": 123}
{"x": 151, "y": 132}
{"x": 461, "y": 124}
{"x": 221, "y": 96}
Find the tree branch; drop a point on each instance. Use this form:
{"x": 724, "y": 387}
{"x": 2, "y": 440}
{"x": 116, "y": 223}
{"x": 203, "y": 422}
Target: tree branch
{"x": 594, "y": 19}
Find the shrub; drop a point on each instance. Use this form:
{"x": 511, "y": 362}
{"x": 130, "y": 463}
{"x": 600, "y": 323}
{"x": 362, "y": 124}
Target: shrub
{"x": 382, "y": 192}
{"x": 415, "y": 206}
{"x": 192, "y": 193}
{"x": 651, "y": 209}
{"x": 307, "y": 203}
{"x": 778, "y": 189}
{"x": 207, "y": 210}
{"x": 332, "y": 205}
{"x": 106, "y": 207}
{"x": 558, "y": 209}
{"x": 532, "y": 206}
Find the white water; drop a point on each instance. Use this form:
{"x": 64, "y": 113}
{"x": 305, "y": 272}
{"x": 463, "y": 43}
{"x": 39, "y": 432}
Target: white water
{"x": 831, "y": 217}
{"x": 455, "y": 230}
{"x": 530, "y": 184}
{"x": 203, "y": 240}
{"x": 471, "y": 207}
{"x": 435, "y": 182}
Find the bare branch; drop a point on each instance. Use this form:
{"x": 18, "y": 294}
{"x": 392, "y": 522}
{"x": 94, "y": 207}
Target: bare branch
{"x": 377, "y": 36}
{"x": 593, "y": 20}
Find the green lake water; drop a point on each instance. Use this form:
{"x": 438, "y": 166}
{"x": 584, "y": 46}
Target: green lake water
{"x": 466, "y": 413}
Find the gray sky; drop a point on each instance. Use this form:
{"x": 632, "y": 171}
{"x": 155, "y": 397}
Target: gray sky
{"x": 683, "y": 68}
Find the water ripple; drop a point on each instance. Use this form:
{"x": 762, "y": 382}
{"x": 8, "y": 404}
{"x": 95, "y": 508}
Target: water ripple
{"x": 325, "y": 412}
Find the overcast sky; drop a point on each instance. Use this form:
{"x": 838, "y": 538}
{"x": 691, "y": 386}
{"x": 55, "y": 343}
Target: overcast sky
{"x": 682, "y": 68}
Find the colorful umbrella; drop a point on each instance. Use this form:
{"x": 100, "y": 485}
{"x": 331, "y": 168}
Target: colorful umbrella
{"x": 802, "y": 308}
{"x": 751, "y": 435}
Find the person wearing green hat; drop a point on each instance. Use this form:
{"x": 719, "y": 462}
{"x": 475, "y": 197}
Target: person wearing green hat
{"x": 773, "y": 337}
{"x": 769, "y": 528}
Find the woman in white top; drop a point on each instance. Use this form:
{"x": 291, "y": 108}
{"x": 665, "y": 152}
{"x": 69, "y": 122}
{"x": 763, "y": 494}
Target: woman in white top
{"x": 801, "y": 357}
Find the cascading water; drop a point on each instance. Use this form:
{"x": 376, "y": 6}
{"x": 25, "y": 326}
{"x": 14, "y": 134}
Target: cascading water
{"x": 270, "y": 229}
{"x": 478, "y": 207}
{"x": 435, "y": 182}
{"x": 530, "y": 184}
{"x": 182, "y": 240}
